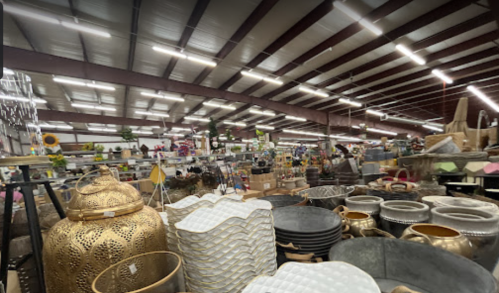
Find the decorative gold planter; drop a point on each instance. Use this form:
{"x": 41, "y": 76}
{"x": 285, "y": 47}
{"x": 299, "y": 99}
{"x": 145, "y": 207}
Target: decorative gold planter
{"x": 439, "y": 236}
{"x": 106, "y": 222}
{"x": 152, "y": 272}
{"x": 357, "y": 221}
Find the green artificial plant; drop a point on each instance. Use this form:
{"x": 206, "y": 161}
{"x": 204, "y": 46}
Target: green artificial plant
{"x": 128, "y": 136}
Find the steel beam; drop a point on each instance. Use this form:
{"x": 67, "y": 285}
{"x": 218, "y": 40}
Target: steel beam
{"x": 131, "y": 47}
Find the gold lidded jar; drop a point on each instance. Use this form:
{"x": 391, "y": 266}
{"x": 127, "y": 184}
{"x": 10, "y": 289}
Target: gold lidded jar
{"x": 106, "y": 222}
{"x": 439, "y": 236}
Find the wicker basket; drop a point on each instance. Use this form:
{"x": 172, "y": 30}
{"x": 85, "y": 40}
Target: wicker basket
{"x": 457, "y": 137}
{"x": 395, "y": 191}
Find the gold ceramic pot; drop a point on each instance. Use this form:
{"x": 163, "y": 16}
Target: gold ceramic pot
{"x": 106, "y": 222}
{"x": 356, "y": 221}
{"x": 439, "y": 236}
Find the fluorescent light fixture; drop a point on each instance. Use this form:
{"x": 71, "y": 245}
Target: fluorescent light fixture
{"x": 433, "y": 128}
{"x": 346, "y": 138}
{"x": 29, "y": 14}
{"x": 155, "y": 126}
{"x": 314, "y": 92}
{"x": 102, "y": 129}
{"x": 169, "y": 52}
{"x": 202, "y": 61}
{"x": 295, "y": 118}
{"x": 142, "y": 132}
{"x": 68, "y": 81}
{"x": 152, "y": 95}
{"x": 264, "y": 127}
{"x": 102, "y": 87}
{"x": 411, "y": 55}
{"x": 296, "y": 144}
{"x": 53, "y": 126}
{"x": 483, "y": 97}
{"x": 405, "y": 120}
{"x": 262, "y": 113}
{"x": 381, "y": 131}
{"x": 247, "y": 140}
{"x": 81, "y": 83}
{"x": 85, "y": 29}
{"x": 347, "y": 101}
{"x": 376, "y": 113}
{"x": 7, "y": 71}
{"x": 197, "y": 119}
{"x": 170, "y": 134}
{"x": 152, "y": 114}
{"x": 442, "y": 76}
{"x": 76, "y": 105}
{"x": 181, "y": 129}
{"x": 355, "y": 127}
{"x": 303, "y": 132}
{"x": 235, "y": 123}
{"x": 219, "y": 106}
{"x": 261, "y": 77}
{"x": 345, "y": 9}
{"x": 22, "y": 99}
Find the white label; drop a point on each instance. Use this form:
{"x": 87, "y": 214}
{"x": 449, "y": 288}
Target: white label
{"x": 133, "y": 269}
{"x": 109, "y": 214}
{"x": 170, "y": 171}
{"x": 132, "y": 162}
{"x": 71, "y": 166}
{"x": 266, "y": 185}
{"x": 188, "y": 158}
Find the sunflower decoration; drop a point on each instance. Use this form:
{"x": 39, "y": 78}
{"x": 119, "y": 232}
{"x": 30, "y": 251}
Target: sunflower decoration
{"x": 289, "y": 164}
{"x": 50, "y": 140}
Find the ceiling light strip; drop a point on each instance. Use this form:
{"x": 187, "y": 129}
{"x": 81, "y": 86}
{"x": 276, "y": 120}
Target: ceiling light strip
{"x": 219, "y": 106}
{"x": 352, "y": 14}
{"x": 264, "y": 127}
{"x": 352, "y": 103}
{"x": 303, "y": 132}
{"x": 295, "y": 118}
{"x": 153, "y": 95}
{"x": 22, "y": 99}
{"x": 410, "y": 54}
{"x": 181, "y": 55}
{"x": 442, "y": 76}
{"x": 433, "y": 128}
{"x": 85, "y": 29}
{"x": 152, "y": 114}
{"x": 102, "y": 129}
{"x": 262, "y": 113}
{"x": 376, "y": 113}
{"x": 86, "y": 106}
{"x": 197, "y": 119}
{"x": 314, "y": 92}
{"x": 261, "y": 77}
{"x": 81, "y": 83}
{"x": 235, "y": 123}
{"x": 483, "y": 97}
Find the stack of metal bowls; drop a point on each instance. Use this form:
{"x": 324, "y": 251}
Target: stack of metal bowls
{"x": 284, "y": 200}
{"x": 312, "y": 176}
{"x": 308, "y": 229}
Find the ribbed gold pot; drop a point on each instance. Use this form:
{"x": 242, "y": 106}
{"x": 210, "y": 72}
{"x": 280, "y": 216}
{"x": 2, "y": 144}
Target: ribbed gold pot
{"x": 439, "y": 236}
{"x": 106, "y": 223}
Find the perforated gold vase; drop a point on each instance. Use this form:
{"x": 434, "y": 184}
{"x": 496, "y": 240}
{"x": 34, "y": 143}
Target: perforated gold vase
{"x": 106, "y": 222}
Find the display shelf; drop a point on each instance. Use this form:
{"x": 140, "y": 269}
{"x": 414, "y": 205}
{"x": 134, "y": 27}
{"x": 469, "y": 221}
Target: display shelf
{"x": 96, "y": 175}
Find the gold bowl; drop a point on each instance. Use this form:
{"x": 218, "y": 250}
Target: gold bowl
{"x": 357, "y": 221}
{"x": 439, "y": 236}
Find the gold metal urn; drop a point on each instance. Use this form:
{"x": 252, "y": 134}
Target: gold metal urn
{"x": 106, "y": 222}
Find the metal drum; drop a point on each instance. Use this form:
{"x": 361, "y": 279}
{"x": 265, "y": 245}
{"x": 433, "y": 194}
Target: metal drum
{"x": 420, "y": 267}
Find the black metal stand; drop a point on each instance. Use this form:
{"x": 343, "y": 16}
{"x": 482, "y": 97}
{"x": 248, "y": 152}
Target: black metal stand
{"x": 33, "y": 223}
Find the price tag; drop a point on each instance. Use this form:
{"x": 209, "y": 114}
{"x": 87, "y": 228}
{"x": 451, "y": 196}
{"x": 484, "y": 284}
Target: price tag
{"x": 133, "y": 269}
{"x": 188, "y": 158}
{"x": 132, "y": 162}
{"x": 266, "y": 185}
{"x": 71, "y": 166}
{"x": 109, "y": 214}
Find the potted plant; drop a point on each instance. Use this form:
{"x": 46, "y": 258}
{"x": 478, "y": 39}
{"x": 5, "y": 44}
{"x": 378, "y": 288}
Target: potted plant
{"x": 99, "y": 148}
{"x": 117, "y": 152}
{"x": 89, "y": 146}
{"x": 127, "y": 136}
{"x": 236, "y": 149}
{"x": 59, "y": 163}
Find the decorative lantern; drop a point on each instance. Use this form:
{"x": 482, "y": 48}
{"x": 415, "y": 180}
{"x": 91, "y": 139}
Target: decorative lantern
{"x": 106, "y": 222}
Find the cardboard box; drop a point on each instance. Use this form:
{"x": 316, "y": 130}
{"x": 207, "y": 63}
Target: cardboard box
{"x": 263, "y": 185}
{"x": 146, "y": 186}
{"x": 258, "y": 178}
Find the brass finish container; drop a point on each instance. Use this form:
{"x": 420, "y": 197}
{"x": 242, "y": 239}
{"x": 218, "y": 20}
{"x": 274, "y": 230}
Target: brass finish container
{"x": 106, "y": 222}
{"x": 356, "y": 221}
{"x": 153, "y": 272}
{"x": 439, "y": 236}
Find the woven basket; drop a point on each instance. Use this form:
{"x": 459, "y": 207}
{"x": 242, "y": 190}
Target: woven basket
{"x": 395, "y": 191}
{"x": 457, "y": 137}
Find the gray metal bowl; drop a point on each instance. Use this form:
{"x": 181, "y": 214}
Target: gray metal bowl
{"x": 327, "y": 196}
{"x": 423, "y": 268}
